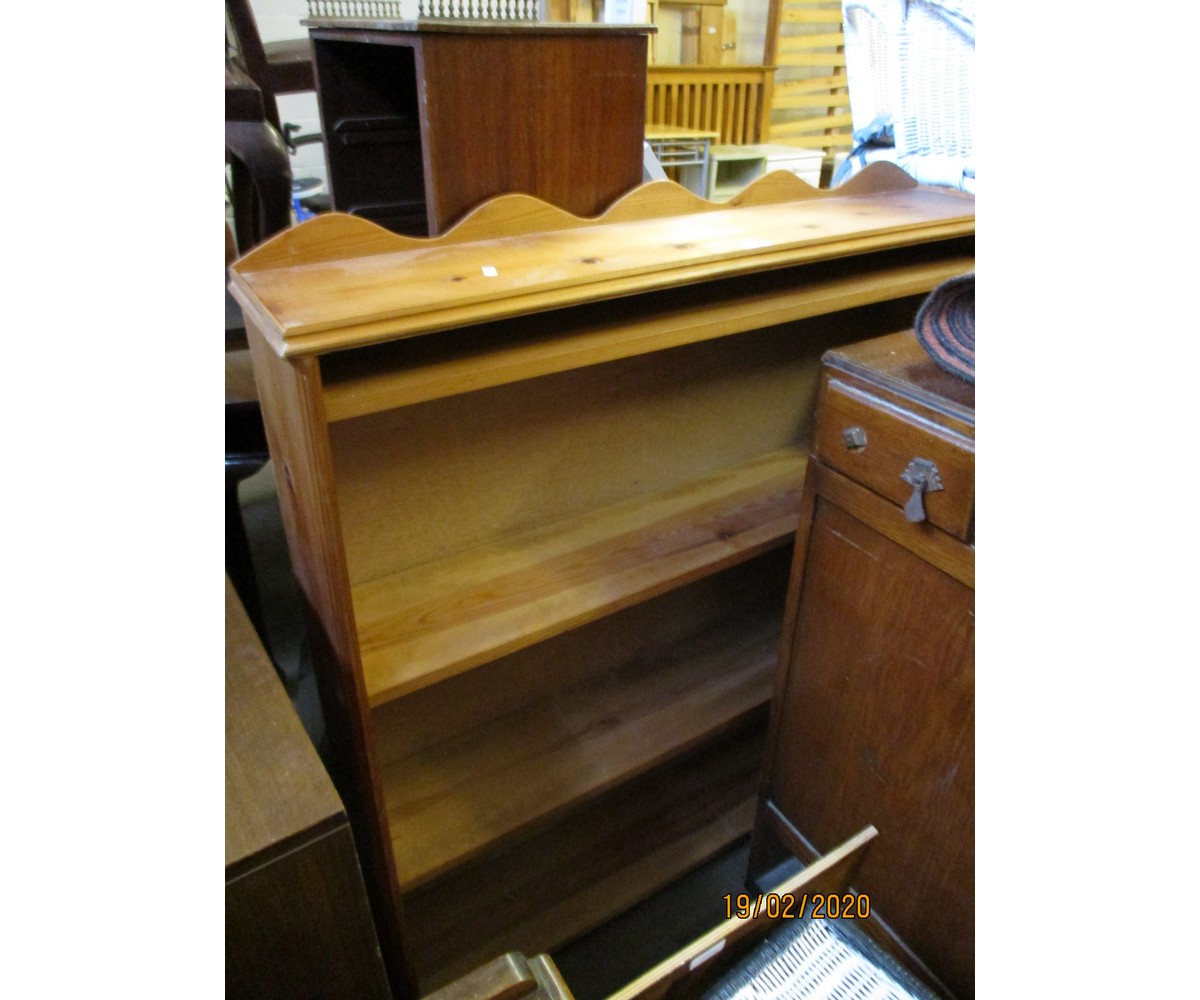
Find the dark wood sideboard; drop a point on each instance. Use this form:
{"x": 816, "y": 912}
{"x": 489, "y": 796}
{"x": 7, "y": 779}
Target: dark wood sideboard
{"x": 873, "y": 715}
{"x": 424, "y": 121}
{"x": 297, "y": 921}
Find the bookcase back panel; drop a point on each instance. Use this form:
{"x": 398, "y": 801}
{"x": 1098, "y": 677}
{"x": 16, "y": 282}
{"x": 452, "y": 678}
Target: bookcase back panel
{"x": 423, "y": 482}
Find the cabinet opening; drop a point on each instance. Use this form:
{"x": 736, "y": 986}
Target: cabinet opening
{"x": 373, "y": 141}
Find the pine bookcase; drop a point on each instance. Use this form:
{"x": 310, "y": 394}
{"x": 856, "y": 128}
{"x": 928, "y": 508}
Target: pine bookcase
{"x": 540, "y": 478}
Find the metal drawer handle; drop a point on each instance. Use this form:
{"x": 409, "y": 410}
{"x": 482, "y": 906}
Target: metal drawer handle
{"x": 922, "y": 476}
{"x": 855, "y": 438}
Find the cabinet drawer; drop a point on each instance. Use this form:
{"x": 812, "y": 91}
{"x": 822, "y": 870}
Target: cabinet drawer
{"x": 888, "y": 439}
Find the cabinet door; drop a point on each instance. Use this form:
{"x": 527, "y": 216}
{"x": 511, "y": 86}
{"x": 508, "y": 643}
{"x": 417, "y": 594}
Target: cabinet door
{"x": 877, "y": 726}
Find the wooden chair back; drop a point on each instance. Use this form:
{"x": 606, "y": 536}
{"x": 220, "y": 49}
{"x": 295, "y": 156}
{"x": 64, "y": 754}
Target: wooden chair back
{"x": 732, "y": 100}
{"x": 284, "y": 67}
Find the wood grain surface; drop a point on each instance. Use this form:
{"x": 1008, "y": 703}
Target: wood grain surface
{"x": 275, "y": 785}
{"x": 695, "y": 961}
{"x": 873, "y": 713}
{"x": 302, "y": 927}
{"x": 880, "y": 726}
{"x": 311, "y": 298}
{"x": 590, "y": 865}
{"x": 296, "y": 911}
{"x": 544, "y": 547}
{"x": 326, "y": 237}
{"x": 478, "y": 788}
{"x": 298, "y": 437}
{"x": 426, "y": 368}
{"x": 744, "y": 598}
{"x": 429, "y": 623}
{"x": 893, "y": 440}
{"x": 384, "y": 295}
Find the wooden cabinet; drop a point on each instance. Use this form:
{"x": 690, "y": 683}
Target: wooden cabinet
{"x": 540, "y": 491}
{"x": 297, "y": 922}
{"x": 423, "y": 121}
{"x": 874, "y": 711}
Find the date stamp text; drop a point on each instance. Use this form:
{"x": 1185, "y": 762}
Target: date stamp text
{"x": 787, "y": 905}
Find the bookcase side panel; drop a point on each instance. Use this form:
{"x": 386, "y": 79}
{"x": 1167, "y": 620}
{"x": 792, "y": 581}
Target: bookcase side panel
{"x": 290, "y": 393}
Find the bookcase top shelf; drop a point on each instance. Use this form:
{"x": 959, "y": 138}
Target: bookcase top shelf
{"x": 337, "y": 282}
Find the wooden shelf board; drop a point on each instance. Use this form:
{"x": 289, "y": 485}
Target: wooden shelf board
{"x": 599, "y": 861}
{"x": 415, "y": 291}
{"x": 365, "y": 389}
{"x": 433, "y": 621}
{"x": 479, "y": 789}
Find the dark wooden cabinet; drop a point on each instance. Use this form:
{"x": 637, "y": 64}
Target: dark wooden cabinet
{"x": 874, "y": 709}
{"x": 424, "y": 121}
{"x": 297, "y": 921}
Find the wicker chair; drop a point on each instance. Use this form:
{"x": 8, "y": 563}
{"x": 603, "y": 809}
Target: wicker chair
{"x": 911, "y": 67}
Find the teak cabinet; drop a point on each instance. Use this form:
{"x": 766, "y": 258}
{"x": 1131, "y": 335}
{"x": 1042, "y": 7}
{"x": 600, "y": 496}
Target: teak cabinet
{"x": 874, "y": 707}
{"x": 540, "y": 478}
{"x": 422, "y": 121}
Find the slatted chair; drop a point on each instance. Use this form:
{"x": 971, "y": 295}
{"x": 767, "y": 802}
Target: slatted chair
{"x": 810, "y": 105}
{"x": 732, "y": 101}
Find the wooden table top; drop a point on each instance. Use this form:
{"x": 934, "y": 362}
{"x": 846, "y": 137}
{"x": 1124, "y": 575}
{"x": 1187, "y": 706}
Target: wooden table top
{"x": 900, "y": 362}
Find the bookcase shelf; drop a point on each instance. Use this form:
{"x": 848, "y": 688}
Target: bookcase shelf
{"x": 592, "y": 865}
{"x": 435, "y": 620}
{"x": 476, "y": 789}
{"x": 420, "y": 369}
